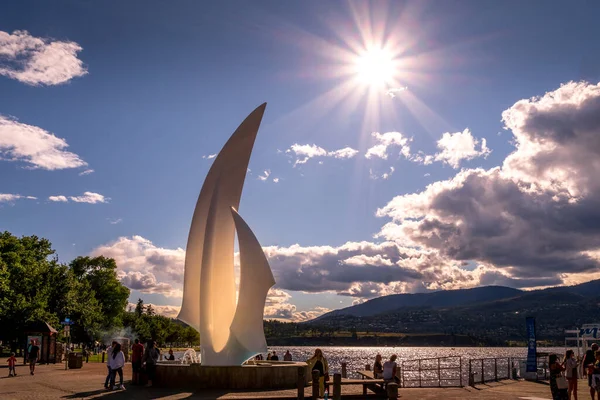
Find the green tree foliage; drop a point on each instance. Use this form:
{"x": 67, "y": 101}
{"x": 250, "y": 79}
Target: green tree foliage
{"x": 101, "y": 275}
{"x": 34, "y": 286}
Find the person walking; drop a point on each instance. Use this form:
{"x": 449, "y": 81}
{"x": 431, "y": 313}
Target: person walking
{"x": 137, "y": 352}
{"x": 319, "y": 362}
{"x": 150, "y": 359}
{"x": 116, "y": 362}
{"x": 34, "y": 353}
{"x": 12, "y": 363}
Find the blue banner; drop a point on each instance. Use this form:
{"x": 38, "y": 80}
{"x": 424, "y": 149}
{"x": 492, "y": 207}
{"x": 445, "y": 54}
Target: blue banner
{"x": 531, "y": 345}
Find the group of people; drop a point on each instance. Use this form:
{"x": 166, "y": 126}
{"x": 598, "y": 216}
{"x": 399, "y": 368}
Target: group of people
{"x": 567, "y": 369}
{"x": 143, "y": 359}
{"x": 387, "y": 370}
{"x": 272, "y": 356}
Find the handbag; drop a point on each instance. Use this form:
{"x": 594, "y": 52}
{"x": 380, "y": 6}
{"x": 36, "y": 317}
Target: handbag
{"x": 561, "y": 382}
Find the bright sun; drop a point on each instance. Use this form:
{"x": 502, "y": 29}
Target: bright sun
{"x": 375, "y": 67}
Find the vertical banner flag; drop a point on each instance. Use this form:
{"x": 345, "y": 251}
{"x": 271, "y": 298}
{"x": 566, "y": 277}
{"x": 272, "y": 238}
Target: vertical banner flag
{"x": 531, "y": 345}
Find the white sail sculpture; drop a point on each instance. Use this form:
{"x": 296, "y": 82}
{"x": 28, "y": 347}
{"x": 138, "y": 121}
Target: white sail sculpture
{"x": 231, "y": 331}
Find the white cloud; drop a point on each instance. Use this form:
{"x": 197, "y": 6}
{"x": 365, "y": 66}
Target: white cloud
{"x": 384, "y": 176}
{"x": 86, "y": 172}
{"x": 90, "y": 197}
{"x": 265, "y": 175}
{"x": 146, "y": 282}
{"x": 35, "y": 146}
{"x": 58, "y": 198}
{"x": 346, "y": 152}
{"x": 9, "y": 198}
{"x": 37, "y": 61}
{"x": 210, "y": 156}
{"x": 115, "y": 221}
{"x": 385, "y": 141}
{"x": 305, "y": 152}
{"x": 458, "y": 146}
{"x": 393, "y": 92}
{"x": 533, "y": 219}
{"x": 276, "y": 180}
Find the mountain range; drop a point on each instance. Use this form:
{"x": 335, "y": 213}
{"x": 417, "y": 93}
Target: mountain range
{"x": 493, "y": 313}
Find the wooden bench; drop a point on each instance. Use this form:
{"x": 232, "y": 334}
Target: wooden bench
{"x": 375, "y": 385}
{"x": 378, "y": 385}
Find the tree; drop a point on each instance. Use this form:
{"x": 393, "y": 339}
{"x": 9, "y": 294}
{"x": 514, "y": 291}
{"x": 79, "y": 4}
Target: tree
{"x": 150, "y": 310}
{"x": 101, "y": 274}
{"x": 139, "y": 308}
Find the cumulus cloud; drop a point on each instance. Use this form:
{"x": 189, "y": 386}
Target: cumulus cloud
{"x": 62, "y": 199}
{"x": 137, "y": 254}
{"x": 458, "y": 146}
{"x": 146, "y": 282}
{"x": 35, "y": 146}
{"x": 533, "y": 218}
{"x": 39, "y": 61}
{"x": 10, "y": 198}
{"x": 304, "y": 152}
{"x": 277, "y": 306}
{"x": 276, "y": 180}
{"x": 386, "y": 141}
{"x": 90, "y": 197}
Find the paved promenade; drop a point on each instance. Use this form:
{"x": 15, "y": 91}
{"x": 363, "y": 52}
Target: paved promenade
{"x": 53, "y": 382}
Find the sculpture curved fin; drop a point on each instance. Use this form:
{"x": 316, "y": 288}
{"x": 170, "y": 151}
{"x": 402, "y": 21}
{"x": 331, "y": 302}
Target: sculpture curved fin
{"x": 256, "y": 279}
{"x": 231, "y": 165}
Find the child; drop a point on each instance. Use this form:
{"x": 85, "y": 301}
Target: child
{"x": 12, "y": 362}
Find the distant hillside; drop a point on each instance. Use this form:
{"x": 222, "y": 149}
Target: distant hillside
{"x": 493, "y": 314}
{"x": 444, "y": 298}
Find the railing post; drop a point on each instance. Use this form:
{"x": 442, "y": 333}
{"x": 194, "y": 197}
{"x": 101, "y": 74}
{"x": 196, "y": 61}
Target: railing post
{"x": 460, "y": 371}
{"x": 402, "y": 381}
{"x": 508, "y": 369}
{"x": 300, "y": 383}
{"x": 337, "y": 386}
{"x": 344, "y": 370}
{"x": 420, "y": 383}
{"x": 399, "y": 375}
{"x": 439, "y": 373}
{"x": 103, "y": 353}
{"x": 315, "y": 384}
{"x": 496, "y": 369}
{"x": 471, "y": 377}
{"x": 482, "y": 371}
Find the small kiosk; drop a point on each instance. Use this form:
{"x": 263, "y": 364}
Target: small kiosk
{"x": 43, "y": 336}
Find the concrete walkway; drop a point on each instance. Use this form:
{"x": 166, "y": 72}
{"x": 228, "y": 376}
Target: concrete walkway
{"x": 53, "y": 382}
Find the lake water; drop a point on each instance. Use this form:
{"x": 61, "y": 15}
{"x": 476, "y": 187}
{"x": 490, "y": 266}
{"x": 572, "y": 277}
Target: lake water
{"x": 357, "y": 357}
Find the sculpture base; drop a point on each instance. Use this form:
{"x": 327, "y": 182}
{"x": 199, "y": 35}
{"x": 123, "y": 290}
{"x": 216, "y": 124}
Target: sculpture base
{"x": 265, "y": 375}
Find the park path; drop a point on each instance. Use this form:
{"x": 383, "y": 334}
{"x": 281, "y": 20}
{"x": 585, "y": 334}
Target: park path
{"x": 53, "y": 382}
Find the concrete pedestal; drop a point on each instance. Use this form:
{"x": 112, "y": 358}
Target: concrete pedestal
{"x": 267, "y": 375}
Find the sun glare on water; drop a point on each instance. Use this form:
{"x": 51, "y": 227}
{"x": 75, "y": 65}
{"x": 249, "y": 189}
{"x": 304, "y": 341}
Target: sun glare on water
{"x": 376, "y": 67}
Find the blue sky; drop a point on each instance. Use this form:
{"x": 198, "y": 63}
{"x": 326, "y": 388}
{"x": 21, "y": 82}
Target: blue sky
{"x": 144, "y": 92}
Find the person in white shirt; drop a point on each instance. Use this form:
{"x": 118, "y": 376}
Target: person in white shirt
{"x": 571, "y": 364}
{"x": 389, "y": 369}
{"x": 116, "y": 361}
{"x": 108, "y": 355}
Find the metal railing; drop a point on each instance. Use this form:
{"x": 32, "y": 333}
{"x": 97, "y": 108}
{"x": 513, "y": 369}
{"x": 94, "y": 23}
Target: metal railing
{"x": 482, "y": 370}
{"x": 432, "y": 372}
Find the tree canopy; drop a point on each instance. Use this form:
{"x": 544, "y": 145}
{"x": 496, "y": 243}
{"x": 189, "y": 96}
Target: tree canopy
{"x": 35, "y": 286}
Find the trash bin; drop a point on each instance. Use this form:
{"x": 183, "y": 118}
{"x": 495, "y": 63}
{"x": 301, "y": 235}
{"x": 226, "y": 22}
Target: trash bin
{"x": 75, "y": 360}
